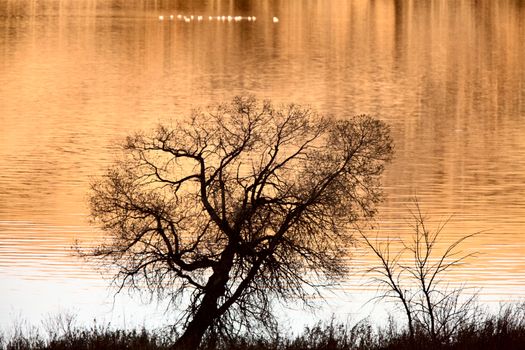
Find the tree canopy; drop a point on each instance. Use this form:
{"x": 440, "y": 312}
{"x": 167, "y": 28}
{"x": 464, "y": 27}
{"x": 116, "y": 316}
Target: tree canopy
{"x": 237, "y": 206}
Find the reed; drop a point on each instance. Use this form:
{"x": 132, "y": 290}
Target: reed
{"x": 486, "y": 331}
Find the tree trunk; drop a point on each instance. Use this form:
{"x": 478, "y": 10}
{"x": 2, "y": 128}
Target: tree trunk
{"x": 192, "y": 336}
{"x": 430, "y": 307}
{"x": 409, "y": 316}
{"x": 189, "y": 340}
{"x": 208, "y": 309}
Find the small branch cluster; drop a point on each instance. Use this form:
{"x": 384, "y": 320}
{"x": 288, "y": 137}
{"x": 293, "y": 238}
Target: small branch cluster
{"x": 413, "y": 276}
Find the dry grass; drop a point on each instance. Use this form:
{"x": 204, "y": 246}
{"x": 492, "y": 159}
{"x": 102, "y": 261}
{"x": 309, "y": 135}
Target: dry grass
{"x": 504, "y": 330}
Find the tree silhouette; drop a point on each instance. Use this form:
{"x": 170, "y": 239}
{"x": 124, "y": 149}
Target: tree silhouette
{"x": 414, "y": 276}
{"x": 239, "y": 206}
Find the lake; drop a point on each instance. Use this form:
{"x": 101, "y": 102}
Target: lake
{"x": 76, "y": 76}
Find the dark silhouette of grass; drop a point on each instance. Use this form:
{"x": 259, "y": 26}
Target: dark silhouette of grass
{"x": 505, "y": 330}
{"x": 90, "y": 339}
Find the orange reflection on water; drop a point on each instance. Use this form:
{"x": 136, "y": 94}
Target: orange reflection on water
{"x": 448, "y": 76}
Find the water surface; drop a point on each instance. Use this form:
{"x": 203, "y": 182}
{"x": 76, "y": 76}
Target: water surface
{"x": 78, "y": 75}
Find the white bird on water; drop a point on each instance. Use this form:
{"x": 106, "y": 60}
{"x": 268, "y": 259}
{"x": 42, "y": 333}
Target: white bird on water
{"x": 161, "y": 18}
{"x": 275, "y": 19}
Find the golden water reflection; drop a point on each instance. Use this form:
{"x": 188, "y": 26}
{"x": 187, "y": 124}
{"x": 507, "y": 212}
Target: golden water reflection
{"x": 77, "y": 75}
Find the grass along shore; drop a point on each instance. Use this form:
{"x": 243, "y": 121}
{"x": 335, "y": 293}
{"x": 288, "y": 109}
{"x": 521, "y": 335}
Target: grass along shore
{"x": 502, "y": 330}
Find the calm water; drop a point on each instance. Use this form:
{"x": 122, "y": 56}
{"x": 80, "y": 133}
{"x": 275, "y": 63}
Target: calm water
{"x": 78, "y": 75}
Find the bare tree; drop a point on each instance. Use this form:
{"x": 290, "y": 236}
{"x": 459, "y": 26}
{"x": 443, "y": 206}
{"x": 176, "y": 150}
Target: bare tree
{"x": 388, "y": 275}
{"x": 413, "y": 275}
{"x": 233, "y": 208}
